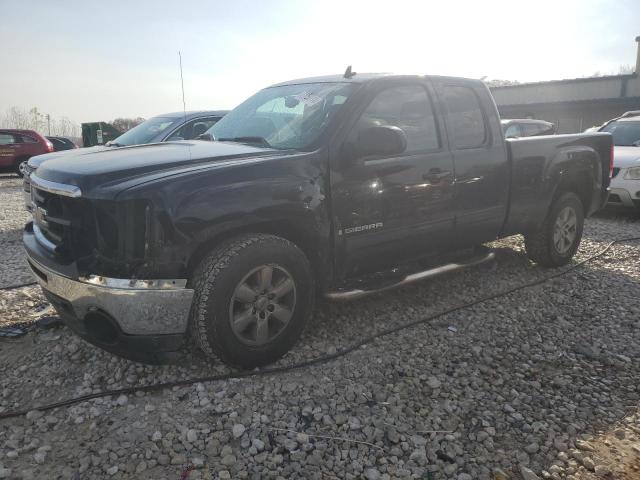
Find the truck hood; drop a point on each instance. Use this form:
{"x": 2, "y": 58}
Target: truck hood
{"x": 129, "y": 166}
{"x": 624, "y": 157}
{"x": 35, "y": 162}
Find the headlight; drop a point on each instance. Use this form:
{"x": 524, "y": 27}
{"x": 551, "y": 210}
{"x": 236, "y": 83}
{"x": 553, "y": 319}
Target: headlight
{"x": 633, "y": 173}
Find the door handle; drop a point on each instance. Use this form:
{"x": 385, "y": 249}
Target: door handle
{"x": 436, "y": 175}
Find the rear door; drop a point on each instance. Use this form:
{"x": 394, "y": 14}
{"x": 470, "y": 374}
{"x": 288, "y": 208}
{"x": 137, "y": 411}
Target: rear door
{"x": 30, "y": 145}
{"x": 389, "y": 209}
{"x": 479, "y": 156}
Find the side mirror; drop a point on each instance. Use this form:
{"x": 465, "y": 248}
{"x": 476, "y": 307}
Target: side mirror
{"x": 387, "y": 140}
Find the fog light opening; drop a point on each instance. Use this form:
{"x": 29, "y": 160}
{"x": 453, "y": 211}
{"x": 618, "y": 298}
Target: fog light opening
{"x": 100, "y": 326}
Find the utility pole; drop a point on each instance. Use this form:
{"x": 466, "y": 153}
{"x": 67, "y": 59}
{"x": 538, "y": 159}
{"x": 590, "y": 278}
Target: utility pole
{"x": 184, "y": 105}
{"x": 49, "y": 123}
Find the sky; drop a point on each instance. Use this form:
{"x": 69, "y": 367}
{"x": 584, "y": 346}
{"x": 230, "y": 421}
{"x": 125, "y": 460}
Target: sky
{"x": 91, "y": 61}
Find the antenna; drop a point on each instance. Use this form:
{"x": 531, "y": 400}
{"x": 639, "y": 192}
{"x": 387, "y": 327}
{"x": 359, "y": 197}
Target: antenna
{"x": 184, "y": 105}
{"x": 348, "y": 73}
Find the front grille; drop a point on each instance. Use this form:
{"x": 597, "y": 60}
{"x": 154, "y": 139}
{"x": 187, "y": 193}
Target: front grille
{"x": 51, "y": 215}
{"x": 615, "y": 172}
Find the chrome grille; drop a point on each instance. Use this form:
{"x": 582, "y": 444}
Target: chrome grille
{"x": 50, "y": 217}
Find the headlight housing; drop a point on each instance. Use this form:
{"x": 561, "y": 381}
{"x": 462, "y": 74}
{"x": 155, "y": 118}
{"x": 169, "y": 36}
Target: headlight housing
{"x": 632, "y": 173}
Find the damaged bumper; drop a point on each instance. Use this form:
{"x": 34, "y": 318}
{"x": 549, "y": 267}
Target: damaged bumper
{"x": 132, "y": 318}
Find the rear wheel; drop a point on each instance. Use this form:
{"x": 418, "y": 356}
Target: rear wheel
{"x": 558, "y": 239}
{"x": 253, "y": 297}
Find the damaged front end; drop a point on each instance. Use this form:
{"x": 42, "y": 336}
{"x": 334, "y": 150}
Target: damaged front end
{"x": 97, "y": 262}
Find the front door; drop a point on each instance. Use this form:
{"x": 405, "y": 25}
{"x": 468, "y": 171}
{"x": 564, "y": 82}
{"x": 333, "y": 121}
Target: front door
{"x": 8, "y": 149}
{"x": 390, "y": 209}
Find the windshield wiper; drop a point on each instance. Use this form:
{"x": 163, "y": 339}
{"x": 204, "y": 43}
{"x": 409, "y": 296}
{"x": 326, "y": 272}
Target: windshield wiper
{"x": 259, "y": 140}
{"x": 114, "y": 144}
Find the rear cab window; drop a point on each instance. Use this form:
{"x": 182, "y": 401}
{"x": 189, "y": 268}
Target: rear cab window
{"x": 464, "y": 117}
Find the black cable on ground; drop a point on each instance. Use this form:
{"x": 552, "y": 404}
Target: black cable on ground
{"x": 314, "y": 361}
{"x": 19, "y": 285}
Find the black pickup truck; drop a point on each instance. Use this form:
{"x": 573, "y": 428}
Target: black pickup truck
{"x": 336, "y": 186}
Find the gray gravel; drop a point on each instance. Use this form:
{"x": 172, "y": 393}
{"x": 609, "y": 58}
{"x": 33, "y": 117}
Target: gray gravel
{"x": 26, "y": 304}
{"x": 506, "y": 389}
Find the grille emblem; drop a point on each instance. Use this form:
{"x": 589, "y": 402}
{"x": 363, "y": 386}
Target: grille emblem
{"x": 40, "y": 215}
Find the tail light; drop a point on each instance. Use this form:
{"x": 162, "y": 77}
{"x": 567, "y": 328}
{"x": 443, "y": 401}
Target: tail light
{"x": 611, "y": 162}
{"x": 49, "y": 146}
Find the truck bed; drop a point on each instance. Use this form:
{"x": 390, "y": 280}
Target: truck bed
{"x": 538, "y": 165}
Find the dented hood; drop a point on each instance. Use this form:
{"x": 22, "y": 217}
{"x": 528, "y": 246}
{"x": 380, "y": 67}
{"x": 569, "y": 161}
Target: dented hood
{"x": 35, "y": 162}
{"x": 106, "y": 169}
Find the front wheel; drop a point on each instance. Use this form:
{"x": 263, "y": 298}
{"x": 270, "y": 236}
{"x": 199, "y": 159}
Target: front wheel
{"x": 19, "y": 167}
{"x": 558, "y": 239}
{"x": 253, "y": 297}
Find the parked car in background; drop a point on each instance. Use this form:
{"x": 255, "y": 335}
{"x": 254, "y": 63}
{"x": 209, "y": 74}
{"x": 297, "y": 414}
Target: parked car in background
{"x": 526, "y": 127}
{"x": 98, "y": 133}
{"x": 625, "y": 178}
{"x": 343, "y": 185}
{"x": 18, "y": 146}
{"x": 169, "y": 127}
{"x": 61, "y": 143}
{"x": 163, "y": 128}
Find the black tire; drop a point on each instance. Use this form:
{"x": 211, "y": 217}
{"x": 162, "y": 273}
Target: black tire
{"x": 540, "y": 245}
{"x": 215, "y": 281}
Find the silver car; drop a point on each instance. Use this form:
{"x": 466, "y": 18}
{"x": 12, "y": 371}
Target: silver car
{"x": 625, "y": 180}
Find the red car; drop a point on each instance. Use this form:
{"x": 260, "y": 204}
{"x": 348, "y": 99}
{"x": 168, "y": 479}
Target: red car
{"x": 18, "y": 146}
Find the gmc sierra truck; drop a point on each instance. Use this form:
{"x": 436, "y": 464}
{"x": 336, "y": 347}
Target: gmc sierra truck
{"x": 336, "y": 186}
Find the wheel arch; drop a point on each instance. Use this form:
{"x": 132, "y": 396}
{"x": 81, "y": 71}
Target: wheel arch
{"x": 309, "y": 243}
{"x": 579, "y": 182}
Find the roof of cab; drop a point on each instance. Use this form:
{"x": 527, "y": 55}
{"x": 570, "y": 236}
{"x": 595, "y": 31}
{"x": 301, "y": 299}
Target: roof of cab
{"x": 356, "y": 78}
{"x": 362, "y": 78}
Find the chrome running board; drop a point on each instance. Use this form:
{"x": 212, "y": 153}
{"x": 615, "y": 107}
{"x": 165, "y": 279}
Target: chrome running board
{"x": 352, "y": 294}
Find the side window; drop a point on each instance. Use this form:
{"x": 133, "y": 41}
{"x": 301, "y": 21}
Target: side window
{"x": 201, "y": 125}
{"x": 513, "y": 131}
{"x": 408, "y": 108}
{"x": 7, "y": 139}
{"x": 547, "y": 129}
{"x": 28, "y": 139}
{"x": 465, "y": 117}
{"x": 192, "y": 129}
{"x": 532, "y": 129}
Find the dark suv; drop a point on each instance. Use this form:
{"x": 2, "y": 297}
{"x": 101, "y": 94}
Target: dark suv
{"x": 18, "y": 146}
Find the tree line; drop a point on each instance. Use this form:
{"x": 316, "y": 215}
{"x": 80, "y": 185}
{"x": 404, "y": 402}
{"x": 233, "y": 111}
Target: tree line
{"x": 33, "y": 119}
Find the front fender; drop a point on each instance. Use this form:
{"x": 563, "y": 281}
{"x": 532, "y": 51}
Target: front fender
{"x": 196, "y": 210}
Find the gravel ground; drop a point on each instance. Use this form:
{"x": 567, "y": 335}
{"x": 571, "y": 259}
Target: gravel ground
{"x": 510, "y": 388}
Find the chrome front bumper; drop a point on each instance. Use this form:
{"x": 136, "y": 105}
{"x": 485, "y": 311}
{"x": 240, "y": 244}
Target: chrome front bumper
{"x": 139, "y": 307}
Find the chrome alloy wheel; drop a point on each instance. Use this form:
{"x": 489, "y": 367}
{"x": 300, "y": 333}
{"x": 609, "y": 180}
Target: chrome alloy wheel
{"x": 262, "y": 305}
{"x": 564, "y": 230}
